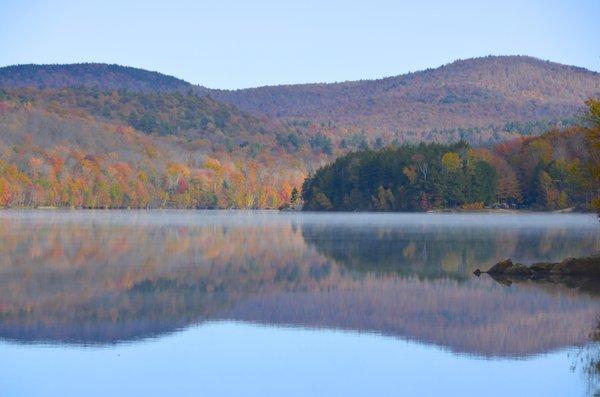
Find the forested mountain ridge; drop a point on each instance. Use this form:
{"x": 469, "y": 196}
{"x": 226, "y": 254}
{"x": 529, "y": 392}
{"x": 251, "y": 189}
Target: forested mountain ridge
{"x": 481, "y": 100}
{"x": 100, "y": 75}
{"x": 442, "y": 104}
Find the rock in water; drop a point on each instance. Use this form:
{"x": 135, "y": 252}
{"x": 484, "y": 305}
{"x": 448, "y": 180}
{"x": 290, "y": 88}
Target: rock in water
{"x": 518, "y": 270}
{"x": 588, "y": 267}
{"x": 501, "y": 267}
{"x": 542, "y": 267}
{"x": 578, "y": 266}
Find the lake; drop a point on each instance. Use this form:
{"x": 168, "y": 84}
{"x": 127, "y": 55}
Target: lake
{"x": 188, "y": 303}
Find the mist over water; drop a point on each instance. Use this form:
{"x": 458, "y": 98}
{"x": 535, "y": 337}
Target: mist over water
{"x": 188, "y": 288}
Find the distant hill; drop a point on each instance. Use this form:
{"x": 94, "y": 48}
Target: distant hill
{"x": 104, "y": 77}
{"x": 467, "y": 94}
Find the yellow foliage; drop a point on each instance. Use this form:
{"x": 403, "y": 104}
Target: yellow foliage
{"x": 473, "y": 206}
{"x": 451, "y": 161}
{"x": 212, "y": 164}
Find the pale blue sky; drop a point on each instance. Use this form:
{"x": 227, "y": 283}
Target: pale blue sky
{"x": 236, "y": 44}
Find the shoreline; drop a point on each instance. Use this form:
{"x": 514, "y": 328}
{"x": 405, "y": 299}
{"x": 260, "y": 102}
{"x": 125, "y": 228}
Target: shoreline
{"x": 435, "y": 211}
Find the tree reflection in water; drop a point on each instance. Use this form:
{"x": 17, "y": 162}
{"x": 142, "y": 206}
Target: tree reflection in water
{"x": 65, "y": 279}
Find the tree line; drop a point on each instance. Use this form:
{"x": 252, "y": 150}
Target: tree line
{"x": 559, "y": 169}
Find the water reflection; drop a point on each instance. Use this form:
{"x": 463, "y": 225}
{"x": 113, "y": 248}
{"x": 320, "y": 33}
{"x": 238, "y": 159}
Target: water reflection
{"x": 442, "y": 250}
{"x": 106, "y": 277}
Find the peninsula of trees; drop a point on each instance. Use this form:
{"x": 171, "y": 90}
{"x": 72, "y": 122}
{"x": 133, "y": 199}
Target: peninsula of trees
{"x": 559, "y": 169}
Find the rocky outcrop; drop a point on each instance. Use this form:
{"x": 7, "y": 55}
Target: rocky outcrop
{"x": 584, "y": 267}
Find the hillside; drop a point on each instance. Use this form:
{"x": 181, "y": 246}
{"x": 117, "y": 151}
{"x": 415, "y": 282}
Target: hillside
{"x": 79, "y": 147}
{"x": 102, "y": 76}
{"x": 491, "y": 97}
{"x": 161, "y": 113}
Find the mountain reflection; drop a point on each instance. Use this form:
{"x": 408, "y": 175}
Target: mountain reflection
{"x": 68, "y": 279}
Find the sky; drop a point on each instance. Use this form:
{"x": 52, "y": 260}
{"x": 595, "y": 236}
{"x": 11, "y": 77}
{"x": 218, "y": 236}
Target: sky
{"x": 238, "y": 44}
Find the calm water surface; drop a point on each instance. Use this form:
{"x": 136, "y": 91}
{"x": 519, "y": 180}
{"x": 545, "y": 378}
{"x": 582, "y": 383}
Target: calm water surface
{"x": 155, "y": 303}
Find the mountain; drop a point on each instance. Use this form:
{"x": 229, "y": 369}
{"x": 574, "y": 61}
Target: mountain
{"x": 99, "y": 75}
{"x": 491, "y": 96}
{"x": 481, "y": 100}
{"x": 97, "y": 135}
